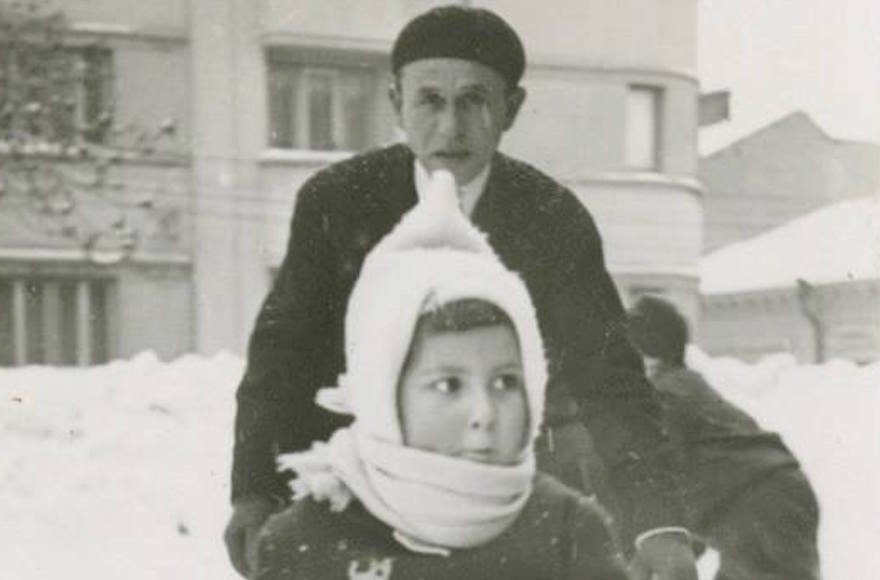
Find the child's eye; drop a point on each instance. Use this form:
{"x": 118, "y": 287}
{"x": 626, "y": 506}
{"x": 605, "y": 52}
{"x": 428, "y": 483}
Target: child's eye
{"x": 507, "y": 382}
{"x": 447, "y": 385}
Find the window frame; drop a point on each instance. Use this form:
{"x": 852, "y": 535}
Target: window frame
{"x": 90, "y": 87}
{"x": 303, "y": 65}
{"x": 656, "y": 95}
{"x": 39, "y": 329}
{"x": 97, "y": 84}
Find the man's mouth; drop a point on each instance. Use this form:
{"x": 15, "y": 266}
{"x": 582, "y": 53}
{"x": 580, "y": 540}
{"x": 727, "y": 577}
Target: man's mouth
{"x": 452, "y": 155}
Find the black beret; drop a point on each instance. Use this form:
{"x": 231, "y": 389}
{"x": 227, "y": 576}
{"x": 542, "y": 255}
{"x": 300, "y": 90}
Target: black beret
{"x": 461, "y": 32}
{"x": 657, "y": 329}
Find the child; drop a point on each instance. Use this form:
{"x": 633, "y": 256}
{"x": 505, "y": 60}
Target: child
{"x": 435, "y": 478}
{"x": 744, "y": 492}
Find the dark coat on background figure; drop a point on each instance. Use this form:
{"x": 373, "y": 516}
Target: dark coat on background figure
{"x": 539, "y": 229}
{"x": 743, "y": 490}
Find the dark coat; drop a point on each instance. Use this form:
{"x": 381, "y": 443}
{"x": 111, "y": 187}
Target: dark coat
{"x": 743, "y": 491}
{"x": 723, "y": 450}
{"x": 560, "y": 535}
{"x": 539, "y": 229}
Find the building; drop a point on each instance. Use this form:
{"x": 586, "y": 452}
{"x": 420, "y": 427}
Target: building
{"x": 787, "y": 169}
{"x": 810, "y": 287}
{"x": 263, "y": 94}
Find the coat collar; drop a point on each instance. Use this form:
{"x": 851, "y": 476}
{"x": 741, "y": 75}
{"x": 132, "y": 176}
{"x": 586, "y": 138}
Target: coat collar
{"x": 404, "y": 196}
{"x": 494, "y": 194}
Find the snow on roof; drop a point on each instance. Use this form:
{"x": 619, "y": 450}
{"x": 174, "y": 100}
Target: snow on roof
{"x": 836, "y": 243}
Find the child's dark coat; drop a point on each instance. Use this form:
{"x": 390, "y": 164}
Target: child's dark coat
{"x": 560, "y": 535}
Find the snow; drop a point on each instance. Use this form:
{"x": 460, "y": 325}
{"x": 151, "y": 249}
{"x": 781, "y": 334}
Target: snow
{"x": 837, "y": 243}
{"x": 121, "y": 471}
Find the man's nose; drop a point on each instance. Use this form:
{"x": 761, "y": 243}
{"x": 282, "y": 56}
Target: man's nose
{"x": 450, "y": 121}
{"x": 482, "y": 409}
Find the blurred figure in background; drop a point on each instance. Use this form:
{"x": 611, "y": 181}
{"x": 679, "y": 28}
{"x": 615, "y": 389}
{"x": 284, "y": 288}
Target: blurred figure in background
{"x": 743, "y": 490}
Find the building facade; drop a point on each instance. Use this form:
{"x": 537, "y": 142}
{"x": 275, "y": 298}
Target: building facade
{"x": 834, "y": 321}
{"x": 780, "y": 172}
{"x": 265, "y": 93}
{"x": 810, "y": 287}
{"x": 791, "y": 177}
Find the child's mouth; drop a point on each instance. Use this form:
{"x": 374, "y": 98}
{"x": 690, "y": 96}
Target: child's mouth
{"x": 481, "y": 455}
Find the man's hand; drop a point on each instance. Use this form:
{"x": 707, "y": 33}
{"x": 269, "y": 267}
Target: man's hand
{"x": 248, "y": 516}
{"x": 664, "y": 556}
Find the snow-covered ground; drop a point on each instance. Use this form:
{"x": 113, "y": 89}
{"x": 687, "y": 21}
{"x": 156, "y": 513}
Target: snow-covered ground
{"x": 121, "y": 471}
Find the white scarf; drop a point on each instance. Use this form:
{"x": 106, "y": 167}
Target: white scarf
{"x": 431, "y": 501}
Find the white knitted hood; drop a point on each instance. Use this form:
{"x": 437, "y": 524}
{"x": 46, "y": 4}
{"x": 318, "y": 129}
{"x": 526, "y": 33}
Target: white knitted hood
{"x": 433, "y": 502}
{"x": 432, "y": 257}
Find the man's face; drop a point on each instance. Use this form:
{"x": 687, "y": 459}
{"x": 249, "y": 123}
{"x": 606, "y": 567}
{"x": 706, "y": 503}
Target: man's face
{"x": 454, "y": 112}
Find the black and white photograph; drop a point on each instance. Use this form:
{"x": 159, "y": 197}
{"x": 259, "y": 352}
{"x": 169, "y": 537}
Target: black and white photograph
{"x": 439, "y": 290}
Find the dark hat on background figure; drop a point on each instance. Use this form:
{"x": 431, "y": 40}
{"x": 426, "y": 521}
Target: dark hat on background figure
{"x": 461, "y": 32}
{"x": 657, "y": 329}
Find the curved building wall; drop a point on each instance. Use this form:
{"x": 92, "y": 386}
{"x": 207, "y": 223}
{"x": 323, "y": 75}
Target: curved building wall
{"x": 213, "y": 65}
{"x": 585, "y": 56}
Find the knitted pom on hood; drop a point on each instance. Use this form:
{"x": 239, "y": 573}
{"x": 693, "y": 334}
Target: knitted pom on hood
{"x": 435, "y": 222}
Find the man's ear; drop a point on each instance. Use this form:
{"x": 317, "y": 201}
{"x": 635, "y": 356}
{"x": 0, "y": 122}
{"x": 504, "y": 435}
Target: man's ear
{"x": 514, "y": 98}
{"x": 395, "y": 97}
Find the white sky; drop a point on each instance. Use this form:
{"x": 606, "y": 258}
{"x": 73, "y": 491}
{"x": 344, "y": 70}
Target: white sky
{"x": 777, "y": 56}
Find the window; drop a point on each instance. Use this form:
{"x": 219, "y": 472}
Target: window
{"x": 55, "y": 93}
{"x": 53, "y": 321}
{"x": 321, "y": 107}
{"x": 95, "y": 92}
{"x": 643, "y": 127}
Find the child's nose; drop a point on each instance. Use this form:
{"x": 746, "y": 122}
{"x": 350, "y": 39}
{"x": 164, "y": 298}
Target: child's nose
{"x": 483, "y": 411}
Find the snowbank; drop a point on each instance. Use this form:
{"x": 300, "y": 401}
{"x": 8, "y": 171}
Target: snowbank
{"x": 121, "y": 471}
{"x": 829, "y": 416}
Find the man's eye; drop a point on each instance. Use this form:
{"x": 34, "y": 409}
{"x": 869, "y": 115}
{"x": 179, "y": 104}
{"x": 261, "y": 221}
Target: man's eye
{"x": 447, "y": 385}
{"x": 473, "y": 99}
{"x": 507, "y": 382}
{"x": 431, "y": 100}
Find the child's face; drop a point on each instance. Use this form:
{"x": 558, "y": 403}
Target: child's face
{"x": 462, "y": 395}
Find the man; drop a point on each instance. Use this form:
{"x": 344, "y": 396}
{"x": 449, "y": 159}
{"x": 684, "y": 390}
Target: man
{"x": 455, "y": 92}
